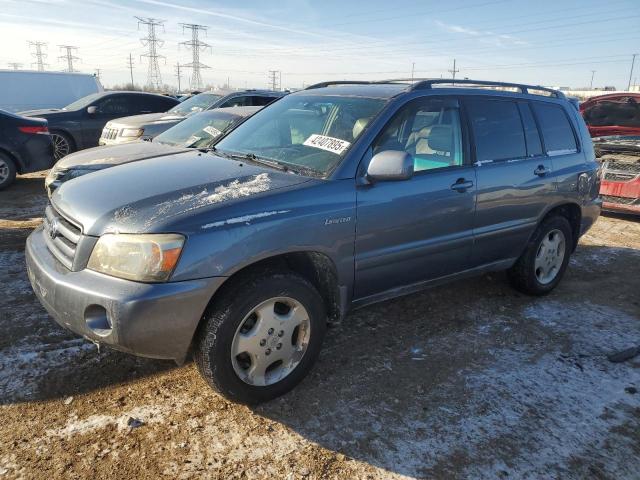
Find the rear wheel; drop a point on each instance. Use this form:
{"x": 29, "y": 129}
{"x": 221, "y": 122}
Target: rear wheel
{"x": 62, "y": 145}
{"x": 261, "y": 337}
{"x": 7, "y": 171}
{"x": 543, "y": 263}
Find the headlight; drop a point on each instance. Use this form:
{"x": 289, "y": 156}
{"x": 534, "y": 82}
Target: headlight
{"x": 143, "y": 258}
{"x": 131, "y": 132}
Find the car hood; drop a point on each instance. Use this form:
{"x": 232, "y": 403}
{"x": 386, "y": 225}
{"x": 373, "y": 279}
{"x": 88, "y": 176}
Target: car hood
{"x": 146, "y": 119}
{"x": 149, "y": 196}
{"x": 103, "y": 157}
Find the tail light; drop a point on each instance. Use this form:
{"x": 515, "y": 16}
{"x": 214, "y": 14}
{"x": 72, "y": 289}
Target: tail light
{"x": 35, "y": 129}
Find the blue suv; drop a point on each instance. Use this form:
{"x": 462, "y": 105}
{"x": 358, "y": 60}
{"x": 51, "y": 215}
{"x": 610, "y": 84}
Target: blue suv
{"x": 329, "y": 199}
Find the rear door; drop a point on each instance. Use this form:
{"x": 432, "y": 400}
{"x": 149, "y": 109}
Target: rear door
{"x": 419, "y": 229}
{"x": 514, "y": 177}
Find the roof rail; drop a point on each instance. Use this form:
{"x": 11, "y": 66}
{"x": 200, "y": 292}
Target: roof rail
{"x": 338, "y": 82}
{"x": 424, "y": 84}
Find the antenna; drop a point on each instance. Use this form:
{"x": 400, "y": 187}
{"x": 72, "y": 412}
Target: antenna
{"x": 196, "y": 46}
{"x": 154, "y": 79}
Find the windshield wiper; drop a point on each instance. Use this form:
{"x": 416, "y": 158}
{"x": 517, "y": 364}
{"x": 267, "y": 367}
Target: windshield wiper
{"x": 252, "y": 157}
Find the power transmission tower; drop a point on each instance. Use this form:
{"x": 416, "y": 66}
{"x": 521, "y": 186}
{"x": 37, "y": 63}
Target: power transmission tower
{"x": 453, "y": 71}
{"x": 593, "y": 72}
{"x": 15, "y": 65}
{"x": 154, "y": 79}
{"x": 196, "y": 46}
{"x": 69, "y": 57}
{"x": 98, "y": 70}
{"x": 274, "y": 79}
{"x": 130, "y": 67}
{"x": 178, "y": 75}
{"x": 39, "y": 55}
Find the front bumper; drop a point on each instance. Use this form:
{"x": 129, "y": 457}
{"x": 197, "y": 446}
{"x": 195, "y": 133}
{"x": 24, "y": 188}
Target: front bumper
{"x": 149, "y": 320}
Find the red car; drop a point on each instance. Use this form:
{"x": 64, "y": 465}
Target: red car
{"x": 614, "y": 122}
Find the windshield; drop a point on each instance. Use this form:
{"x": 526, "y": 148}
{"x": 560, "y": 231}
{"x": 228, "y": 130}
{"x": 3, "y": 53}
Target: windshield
{"x": 311, "y": 132}
{"x": 195, "y": 104}
{"x": 198, "y": 131}
{"x": 83, "y": 102}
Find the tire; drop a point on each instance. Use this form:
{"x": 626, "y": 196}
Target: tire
{"x": 7, "y": 171}
{"x": 540, "y": 278}
{"x": 234, "y": 322}
{"x": 62, "y": 145}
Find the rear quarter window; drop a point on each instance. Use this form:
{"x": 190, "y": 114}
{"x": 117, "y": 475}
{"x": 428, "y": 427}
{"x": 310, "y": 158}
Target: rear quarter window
{"x": 555, "y": 128}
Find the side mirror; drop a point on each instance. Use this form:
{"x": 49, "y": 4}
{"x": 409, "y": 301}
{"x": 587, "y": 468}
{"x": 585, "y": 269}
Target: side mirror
{"x": 390, "y": 165}
{"x": 92, "y": 110}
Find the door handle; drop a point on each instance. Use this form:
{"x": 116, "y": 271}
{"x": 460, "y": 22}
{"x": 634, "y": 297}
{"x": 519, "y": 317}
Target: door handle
{"x": 462, "y": 185}
{"x": 540, "y": 171}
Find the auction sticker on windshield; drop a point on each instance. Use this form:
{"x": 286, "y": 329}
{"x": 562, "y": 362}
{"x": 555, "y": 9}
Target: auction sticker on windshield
{"x": 330, "y": 144}
{"x": 214, "y": 132}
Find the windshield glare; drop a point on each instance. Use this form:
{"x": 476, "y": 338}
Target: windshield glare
{"x": 311, "y": 132}
{"x": 198, "y": 131}
{"x": 82, "y": 102}
{"x": 195, "y": 104}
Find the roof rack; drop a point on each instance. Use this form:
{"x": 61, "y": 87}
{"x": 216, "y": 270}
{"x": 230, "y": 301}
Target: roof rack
{"x": 339, "y": 82}
{"x": 427, "y": 83}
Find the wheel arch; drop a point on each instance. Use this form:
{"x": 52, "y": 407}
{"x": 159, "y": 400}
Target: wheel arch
{"x": 572, "y": 212}
{"x": 67, "y": 133}
{"x": 317, "y": 267}
{"x": 14, "y": 159}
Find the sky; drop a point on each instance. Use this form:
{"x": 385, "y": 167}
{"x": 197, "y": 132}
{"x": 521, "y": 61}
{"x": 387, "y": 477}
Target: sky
{"x": 553, "y": 43}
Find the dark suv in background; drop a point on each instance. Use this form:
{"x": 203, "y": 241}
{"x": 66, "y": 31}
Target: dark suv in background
{"x": 146, "y": 127}
{"x": 332, "y": 198}
{"x": 79, "y": 125}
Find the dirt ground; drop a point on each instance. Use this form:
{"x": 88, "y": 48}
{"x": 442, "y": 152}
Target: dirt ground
{"x": 468, "y": 380}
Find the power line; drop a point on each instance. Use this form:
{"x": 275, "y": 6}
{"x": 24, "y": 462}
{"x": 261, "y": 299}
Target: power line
{"x": 39, "y": 55}
{"x": 196, "y": 45}
{"x": 130, "y": 67}
{"x": 275, "y": 78}
{"x": 15, "y": 65}
{"x": 154, "y": 79}
{"x": 69, "y": 57}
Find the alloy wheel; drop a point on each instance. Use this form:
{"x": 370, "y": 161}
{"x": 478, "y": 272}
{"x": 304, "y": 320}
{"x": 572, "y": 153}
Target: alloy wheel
{"x": 61, "y": 146}
{"x": 4, "y": 171}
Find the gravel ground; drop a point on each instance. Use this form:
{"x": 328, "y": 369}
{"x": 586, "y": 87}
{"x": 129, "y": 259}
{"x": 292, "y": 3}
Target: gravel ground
{"x": 468, "y": 380}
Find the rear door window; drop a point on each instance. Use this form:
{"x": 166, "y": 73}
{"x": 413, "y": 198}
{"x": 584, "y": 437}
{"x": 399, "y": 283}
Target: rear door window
{"x": 556, "y": 130}
{"x": 497, "y": 129}
{"x": 237, "y": 102}
{"x": 534, "y": 145}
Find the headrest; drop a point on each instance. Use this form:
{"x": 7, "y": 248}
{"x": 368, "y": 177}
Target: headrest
{"x": 440, "y": 138}
{"x": 359, "y": 126}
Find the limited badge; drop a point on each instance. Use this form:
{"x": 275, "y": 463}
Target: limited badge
{"x": 214, "y": 132}
{"x": 330, "y": 144}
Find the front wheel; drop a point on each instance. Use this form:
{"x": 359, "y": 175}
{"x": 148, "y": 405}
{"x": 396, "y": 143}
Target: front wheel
{"x": 62, "y": 145}
{"x": 262, "y": 337}
{"x": 543, "y": 263}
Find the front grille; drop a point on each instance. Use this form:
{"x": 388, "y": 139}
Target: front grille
{"x": 618, "y": 176}
{"x": 61, "y": 235}
{"x": 109, "y": 133}
{"x": 620, "y": 200}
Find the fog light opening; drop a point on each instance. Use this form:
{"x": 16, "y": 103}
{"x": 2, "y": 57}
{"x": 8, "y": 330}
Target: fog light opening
{"x": 97, "y": 320}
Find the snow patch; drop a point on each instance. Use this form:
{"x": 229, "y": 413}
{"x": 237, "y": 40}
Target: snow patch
{"x": 244, "y": 219}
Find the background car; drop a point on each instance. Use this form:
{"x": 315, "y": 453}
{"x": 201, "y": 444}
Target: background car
{"x": 199, "y": 131}
{"x": 78, "y": 125}
{"x": 146, "y": 127}
{"x": 614, "y": 114}
{"x": 25, "y": 146}
{"x": 620, "y": 158}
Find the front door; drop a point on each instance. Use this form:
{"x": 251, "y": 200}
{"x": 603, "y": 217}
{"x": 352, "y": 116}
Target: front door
{"x": 419, "y": 229}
